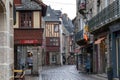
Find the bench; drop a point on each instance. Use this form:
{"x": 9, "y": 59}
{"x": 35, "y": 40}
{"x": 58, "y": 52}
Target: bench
{"x": 19, "y": 74}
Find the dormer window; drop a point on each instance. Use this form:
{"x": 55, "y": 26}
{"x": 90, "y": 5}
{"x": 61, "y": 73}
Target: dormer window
{"x": 82, "y": 4}
{"x": 48, "y": 14}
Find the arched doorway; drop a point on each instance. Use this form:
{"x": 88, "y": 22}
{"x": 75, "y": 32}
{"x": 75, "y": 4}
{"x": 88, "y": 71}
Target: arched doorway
{"x": 6, "y": 51}
{"x": 2, "y": 17}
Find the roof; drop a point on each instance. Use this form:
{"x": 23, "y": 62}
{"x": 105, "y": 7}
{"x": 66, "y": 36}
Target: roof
{"x": 67, "y": 23}
{"x": 52, "y": 15}
{"x": 32, "y": 5}
{"x": 28, "y": 5}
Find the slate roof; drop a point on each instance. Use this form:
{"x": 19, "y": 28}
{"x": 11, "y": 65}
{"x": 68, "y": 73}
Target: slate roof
{"x": 67, "y": 23}
{"x": 28, "y": 5}
{"x": 52, "y": 15}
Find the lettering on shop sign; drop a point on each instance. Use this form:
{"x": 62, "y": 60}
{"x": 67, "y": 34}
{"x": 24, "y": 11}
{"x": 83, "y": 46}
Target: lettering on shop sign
{"x": 29, "y": 41}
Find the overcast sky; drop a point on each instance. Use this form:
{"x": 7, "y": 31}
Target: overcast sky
{"x": 66, "y": 6}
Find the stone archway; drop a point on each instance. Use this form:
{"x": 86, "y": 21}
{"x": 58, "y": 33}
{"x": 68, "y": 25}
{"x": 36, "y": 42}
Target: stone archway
{"x": 2, "y": 6}
{"x": 4, "y": 44}
{"x": 2, "y": 16}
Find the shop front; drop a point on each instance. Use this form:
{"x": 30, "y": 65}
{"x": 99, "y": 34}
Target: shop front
{"x": 100, "y": 55}
{"x": 25, "y": 43}
{"x": 115, "y": 48}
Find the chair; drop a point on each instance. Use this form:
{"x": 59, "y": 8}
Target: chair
{"x": 19, "y": 74}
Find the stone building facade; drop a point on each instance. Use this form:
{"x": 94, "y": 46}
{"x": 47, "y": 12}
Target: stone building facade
{"x": 28, "y": 33}
{"x": 6, "y": 42}
{"x": 103, "y": 23}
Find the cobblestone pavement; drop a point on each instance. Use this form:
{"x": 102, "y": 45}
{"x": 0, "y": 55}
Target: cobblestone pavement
{"x": 67, "y": 72}
{"x": 32, "y": 78}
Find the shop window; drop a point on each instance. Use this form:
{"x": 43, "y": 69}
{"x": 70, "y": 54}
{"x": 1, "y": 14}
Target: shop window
{"x": 54, "y": 58}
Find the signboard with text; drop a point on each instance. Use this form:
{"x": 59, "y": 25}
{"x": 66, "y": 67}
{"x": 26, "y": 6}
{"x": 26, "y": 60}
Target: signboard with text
{"x": 28, "y": 41}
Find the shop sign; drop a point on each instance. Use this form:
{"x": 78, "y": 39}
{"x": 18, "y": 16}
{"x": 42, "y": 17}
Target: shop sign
{"x": 85, "y": 33}
{"x": 29, "y": 41}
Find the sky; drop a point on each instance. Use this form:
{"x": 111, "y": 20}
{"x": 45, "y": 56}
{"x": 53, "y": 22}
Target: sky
{"x": 66, "y": 6}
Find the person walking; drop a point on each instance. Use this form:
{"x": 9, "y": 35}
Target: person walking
{"x": 30, "y": 61}
{"x": 88, "y": 64}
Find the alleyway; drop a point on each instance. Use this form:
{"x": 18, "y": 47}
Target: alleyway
{"x": 67, "y": 72}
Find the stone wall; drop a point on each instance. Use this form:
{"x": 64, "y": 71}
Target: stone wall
{"x": 6, "y": 40}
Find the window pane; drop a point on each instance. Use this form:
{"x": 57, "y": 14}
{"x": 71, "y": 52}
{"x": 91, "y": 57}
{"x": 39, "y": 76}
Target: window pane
{"x": 26, "y": 19}
{"x": 56, "y": 27}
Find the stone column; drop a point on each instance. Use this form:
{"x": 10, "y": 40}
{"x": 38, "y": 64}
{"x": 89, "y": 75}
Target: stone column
{"x": 6, "y": 42}
{"x": 40, "y": 57}
{"x": 35, "y": 61}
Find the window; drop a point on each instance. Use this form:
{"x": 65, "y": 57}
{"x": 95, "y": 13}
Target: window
{"x": 54, "y": 58}
{"x": 54, "y": 41}
{"x": 82, "y": 4}
{"x": 26, "y": 19}
{"x": 48, "y": 14}
{"x": 117, "y": 54}
{"x": 56, "y": 27}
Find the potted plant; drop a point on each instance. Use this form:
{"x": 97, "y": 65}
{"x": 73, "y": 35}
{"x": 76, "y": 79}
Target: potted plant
{"x": 110, "y": 73}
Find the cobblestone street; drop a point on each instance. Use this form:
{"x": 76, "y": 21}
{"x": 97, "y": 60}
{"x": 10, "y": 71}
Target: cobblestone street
{"x": 67, "y": 72}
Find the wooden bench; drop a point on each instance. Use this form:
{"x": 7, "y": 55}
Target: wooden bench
{"x": 19, "y": 74}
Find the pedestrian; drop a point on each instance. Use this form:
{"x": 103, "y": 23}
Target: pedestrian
{"x": 64, "y": 60}
{"x": 30, "y": 61}
{"x": 87, "y": 66}
{"x": 21, "y": 63}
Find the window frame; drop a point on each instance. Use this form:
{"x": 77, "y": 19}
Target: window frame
{"x": 54, "y": 58}
{"x": 54, "y": 41}
{"x": 56, "y": 26}
{"x": 27, "y": 22}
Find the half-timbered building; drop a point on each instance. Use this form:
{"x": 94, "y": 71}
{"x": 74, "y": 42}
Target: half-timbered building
{"x": 52, "y": 37}
{"x": 28, "y": 32}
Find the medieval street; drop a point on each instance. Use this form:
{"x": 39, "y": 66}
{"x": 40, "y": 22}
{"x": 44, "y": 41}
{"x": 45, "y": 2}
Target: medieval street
{"x": 59, "y": 39}
{"x": 67, "y": 72}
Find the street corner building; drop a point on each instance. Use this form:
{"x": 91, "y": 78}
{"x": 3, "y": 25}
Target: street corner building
{"x": 6, "y": 42}
{"x": 28, "y": 33}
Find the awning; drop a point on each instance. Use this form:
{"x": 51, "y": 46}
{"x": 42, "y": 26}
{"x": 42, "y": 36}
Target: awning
{"x": 99, "y": 40}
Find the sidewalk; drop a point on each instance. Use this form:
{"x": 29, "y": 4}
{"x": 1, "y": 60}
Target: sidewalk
{"x": 30, "y": 77}
{"x": 59, "y": 68}
{"x": 100, "y": 76}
